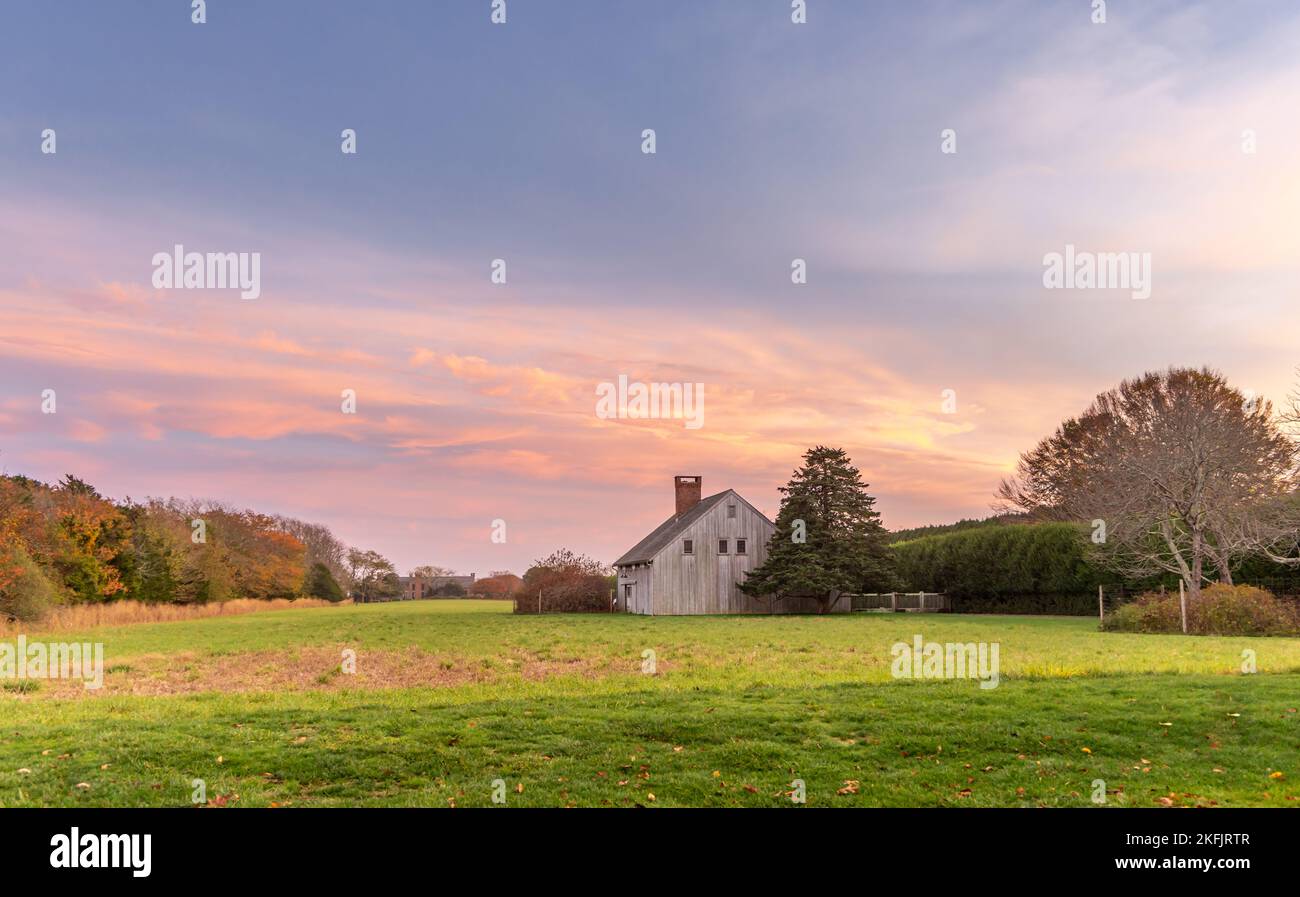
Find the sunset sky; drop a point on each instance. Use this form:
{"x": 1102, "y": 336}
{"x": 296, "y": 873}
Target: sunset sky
{"x": 775, "y": 141}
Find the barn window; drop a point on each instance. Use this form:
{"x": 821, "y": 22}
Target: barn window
{"x": 722, "y": 546}
{"x": 627, "y": 592}
{"x": 731, "y": 510}
{"x": 688, "y": 546}
{"x": 740, "y": 546}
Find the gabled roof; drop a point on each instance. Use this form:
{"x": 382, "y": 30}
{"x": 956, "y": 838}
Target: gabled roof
{"x": 667, "y": 531}
{"x": 663, "y": 535}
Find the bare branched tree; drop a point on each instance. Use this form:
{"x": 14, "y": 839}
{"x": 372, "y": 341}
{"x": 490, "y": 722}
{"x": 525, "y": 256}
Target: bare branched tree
{"x": 1184, "y": 473}
{"x": 431, "y": 571}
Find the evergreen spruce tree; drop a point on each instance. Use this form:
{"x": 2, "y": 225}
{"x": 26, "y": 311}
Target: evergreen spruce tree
{"x": 828, "y": 538}
{"x": 320, "y": 583}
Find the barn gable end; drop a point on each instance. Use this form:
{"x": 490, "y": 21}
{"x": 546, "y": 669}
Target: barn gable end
{"x": 658, "y": 576}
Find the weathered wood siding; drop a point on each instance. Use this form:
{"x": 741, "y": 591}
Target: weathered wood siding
{"x": 639, "y": 578}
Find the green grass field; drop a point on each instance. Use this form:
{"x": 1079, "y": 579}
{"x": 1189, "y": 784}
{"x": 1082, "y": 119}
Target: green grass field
{"x": 448, "y": 696}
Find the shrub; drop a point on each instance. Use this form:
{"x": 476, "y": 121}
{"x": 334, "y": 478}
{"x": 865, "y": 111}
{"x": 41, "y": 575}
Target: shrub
{"x": 565, "y": 582}
{"x": 1221, "y": 610}
{"x": 575, "y": 595}
{"x": 26, "y": 593}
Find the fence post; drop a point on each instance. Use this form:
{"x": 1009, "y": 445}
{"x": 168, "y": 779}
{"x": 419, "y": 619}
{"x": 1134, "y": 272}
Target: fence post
{"x": 1182, "y": 604}
{"x": 921, "y": 600}
{"x": 893, "y": 601}
{"x": 1101, "y": 605}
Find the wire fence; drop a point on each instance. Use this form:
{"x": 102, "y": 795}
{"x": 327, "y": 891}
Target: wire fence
{"x": 921, "y": 602}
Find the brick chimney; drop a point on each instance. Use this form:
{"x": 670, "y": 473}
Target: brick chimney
{"x": 688, "y": 492}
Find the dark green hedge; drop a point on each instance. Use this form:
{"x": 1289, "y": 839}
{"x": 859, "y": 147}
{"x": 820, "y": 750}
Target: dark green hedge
{"x": 1037, "y": 568}
{"x": 1000, "y": 563}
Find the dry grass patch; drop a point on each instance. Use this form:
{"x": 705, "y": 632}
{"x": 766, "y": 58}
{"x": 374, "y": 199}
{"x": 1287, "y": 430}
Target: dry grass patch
{"x": 321, "y": 668}
{"x": 78, "y": 617}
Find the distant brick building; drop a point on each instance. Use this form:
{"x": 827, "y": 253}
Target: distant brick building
{"x": 417, "y": 587}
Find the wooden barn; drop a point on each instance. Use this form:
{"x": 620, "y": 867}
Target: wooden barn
{"x": 693, "y": 562}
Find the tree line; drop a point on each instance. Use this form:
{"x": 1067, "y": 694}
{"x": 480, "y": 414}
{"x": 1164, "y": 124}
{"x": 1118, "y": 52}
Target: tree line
{"x": 67, "y": 543}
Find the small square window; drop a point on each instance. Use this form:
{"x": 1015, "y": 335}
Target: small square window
{"x": 731, "y": 510}
{"x": 688, "y": 546}
{"x": 722, "y": 546}
{"x": 740, "y": 546}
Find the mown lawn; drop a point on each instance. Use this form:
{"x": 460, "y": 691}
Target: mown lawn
{"x": 559, "y": 708}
